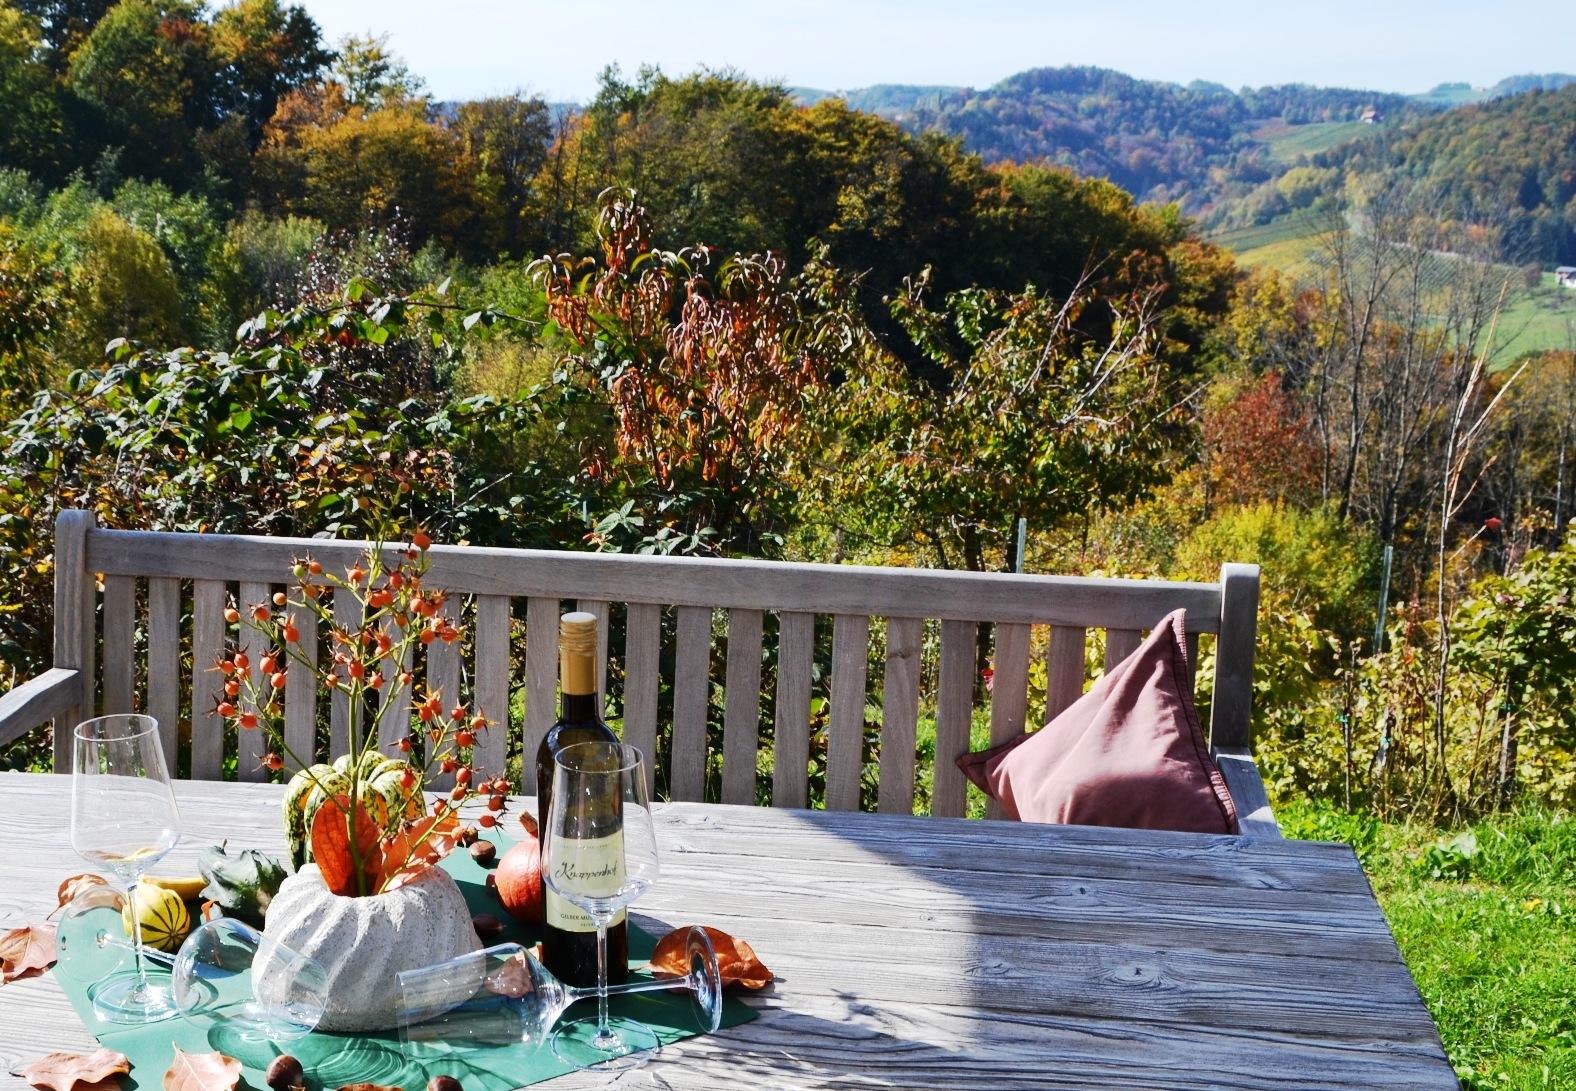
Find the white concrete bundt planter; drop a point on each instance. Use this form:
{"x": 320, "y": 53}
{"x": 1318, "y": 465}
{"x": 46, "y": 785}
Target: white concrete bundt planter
{"x": 364, "y": 943}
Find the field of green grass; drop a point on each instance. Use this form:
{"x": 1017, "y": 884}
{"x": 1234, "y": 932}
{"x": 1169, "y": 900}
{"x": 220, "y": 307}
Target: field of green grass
{"x": 1486, "y": 920}
{"x": 1288, "y": 143}
{"x": 1539, "y": 319}
{"x": 1284, "y": 244}
{"x": 1535, "y": 319}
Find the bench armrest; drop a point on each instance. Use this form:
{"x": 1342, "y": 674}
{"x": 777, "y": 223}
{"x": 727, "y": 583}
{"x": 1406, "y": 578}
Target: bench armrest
{"x": 1254, "y": 818}
{"x": 38, "y": 701}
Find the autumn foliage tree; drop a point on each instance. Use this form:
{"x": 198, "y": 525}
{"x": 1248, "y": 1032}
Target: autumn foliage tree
{"x": 1048, "y": 407}
{"x": 1259, "y": 444}
{"x": 703, "y": 373}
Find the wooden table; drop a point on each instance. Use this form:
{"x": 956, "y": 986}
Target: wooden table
{"x": 928, "y": 952}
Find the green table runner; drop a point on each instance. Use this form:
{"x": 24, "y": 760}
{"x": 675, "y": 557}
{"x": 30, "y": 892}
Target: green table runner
{"x": 333, "y": 1060}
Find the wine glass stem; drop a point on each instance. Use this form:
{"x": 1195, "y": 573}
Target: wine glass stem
{"x": 661, "y": 984}
{"x": 605, "y": 1038}
{"x": 136, "y": 939}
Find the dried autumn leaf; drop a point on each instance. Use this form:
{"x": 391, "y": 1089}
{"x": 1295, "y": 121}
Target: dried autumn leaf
{"x": 202, "y": 1072}
{"x": 26, "y": 951}
{"x": 87, "y": 891}
{"x": 736, "y": 960}
{"x": 77, "y": 1071}
{"x": 369, "y": 1087}
{"x": 331, "y": 847}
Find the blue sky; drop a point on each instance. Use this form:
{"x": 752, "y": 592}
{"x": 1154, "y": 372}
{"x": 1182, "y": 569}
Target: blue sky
{"x": 468, "y": 48}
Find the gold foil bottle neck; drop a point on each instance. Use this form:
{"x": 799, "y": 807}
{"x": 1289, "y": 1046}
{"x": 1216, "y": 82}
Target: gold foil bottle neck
{"x": 577, "y": 652}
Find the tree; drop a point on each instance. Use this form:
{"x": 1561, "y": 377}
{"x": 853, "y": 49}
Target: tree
{"x": 329, "y": 159}
{"x": 374, "y": 76}
{"x": 124, "y": 287}
{"x": 33, "y": 135}
{"x": 506, "y": 139}
{"x": 265, "y": 49}
{"x": 702, "y": 377}
{"x": 1258, "y": 444}
{"x": 31, "y": 298}
{"x": 146, "y": 74}
{"x": 1048, "y": 407}
{"x": 65, "y": 23}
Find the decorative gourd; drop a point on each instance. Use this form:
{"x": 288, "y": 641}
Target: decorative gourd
{"x": 310, "y": 788}
{"x": 241, "y": 885}
{"x": 164, "y": 919}
{"x": 364, "y": 943}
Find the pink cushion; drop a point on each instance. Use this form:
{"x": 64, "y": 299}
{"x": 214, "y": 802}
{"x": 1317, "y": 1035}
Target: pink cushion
{"x": 1129, "y": 752}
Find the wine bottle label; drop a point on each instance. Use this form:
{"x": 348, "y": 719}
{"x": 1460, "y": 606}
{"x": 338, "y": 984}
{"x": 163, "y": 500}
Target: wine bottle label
{"x": 592, "y": 866}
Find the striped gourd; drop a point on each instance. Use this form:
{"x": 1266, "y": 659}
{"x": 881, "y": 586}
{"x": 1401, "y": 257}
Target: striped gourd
{"x": 164, "y": 918}
{"x": 385, "y": 797}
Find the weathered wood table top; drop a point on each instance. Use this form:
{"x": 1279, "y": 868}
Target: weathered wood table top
{"x": 926, "y": 952}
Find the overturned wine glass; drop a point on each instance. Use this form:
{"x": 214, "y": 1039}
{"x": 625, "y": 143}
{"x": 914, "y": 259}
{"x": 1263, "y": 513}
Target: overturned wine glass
{"x": 230, "y": 972}
{"x": 225, "y": 970}
{"x": 503, "y": 996}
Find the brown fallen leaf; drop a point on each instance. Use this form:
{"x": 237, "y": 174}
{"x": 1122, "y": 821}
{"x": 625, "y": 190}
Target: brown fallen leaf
{"x": 736, "y": 960}
{"x": 202, "y": 1072}
{"x": 512, "y": 978}
{"x": 26, "y": 951}
{"x": 368, "y": 1087}
{"x": 77, "y": 1071}
{"x": 87, "y": 891}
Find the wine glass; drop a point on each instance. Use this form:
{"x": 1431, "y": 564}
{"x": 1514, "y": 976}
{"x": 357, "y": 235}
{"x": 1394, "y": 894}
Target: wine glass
{"x": 227, "y": 970}
{"x": 503, "y": 996}
{"x": 123, "y": 819}
{"x": 599, "y": 853}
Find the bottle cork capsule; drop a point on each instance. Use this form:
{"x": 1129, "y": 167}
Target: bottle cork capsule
{"x": 577, "y": 652}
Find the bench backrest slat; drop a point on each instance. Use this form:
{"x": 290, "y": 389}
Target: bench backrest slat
{"x": 954, "y": 715}
{"x": 254, "y": 642}
{"x": 492, "y": 683}
{"x": 741, "y": 720}
{"x": 916, "y": 630}
{"x": 795, "y": 680}
{"x": 846, "y": 725}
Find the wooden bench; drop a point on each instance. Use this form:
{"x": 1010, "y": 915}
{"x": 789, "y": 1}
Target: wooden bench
{"x": 152, "y": 581}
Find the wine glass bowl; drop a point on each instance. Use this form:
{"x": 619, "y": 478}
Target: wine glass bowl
{"x": 498, "y": 996}
{"x": 124, "y": 820}
{"x": 230, "y": 972}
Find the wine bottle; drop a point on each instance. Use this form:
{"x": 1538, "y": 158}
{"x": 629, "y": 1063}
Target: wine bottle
{"x": 568, "y": 934}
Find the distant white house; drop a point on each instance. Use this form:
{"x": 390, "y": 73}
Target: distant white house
{"x": 1566, "y": 275}
{"x": 1371, "y": 116}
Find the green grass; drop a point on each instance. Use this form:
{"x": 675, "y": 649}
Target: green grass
{"x": 1539, "y": 319}
{"x": 1286, "y": 244}
{"x": 1535, "y": 319}
{"x": 1288, "y": 143}
{"x": 1486, "y": 920}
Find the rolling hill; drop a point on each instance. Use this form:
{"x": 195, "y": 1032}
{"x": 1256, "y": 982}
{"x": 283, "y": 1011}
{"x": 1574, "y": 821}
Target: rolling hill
{"x": 1194, "y": 144}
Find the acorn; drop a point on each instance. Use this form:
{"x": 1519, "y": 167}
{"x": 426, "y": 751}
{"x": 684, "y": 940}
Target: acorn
{"x": 484, "y": 853}
{"x": 467, "y": 835}
{"x": 284, "y": 1073}
{"x": 444, "y": 1083}
{"x": 488, "y": 927}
